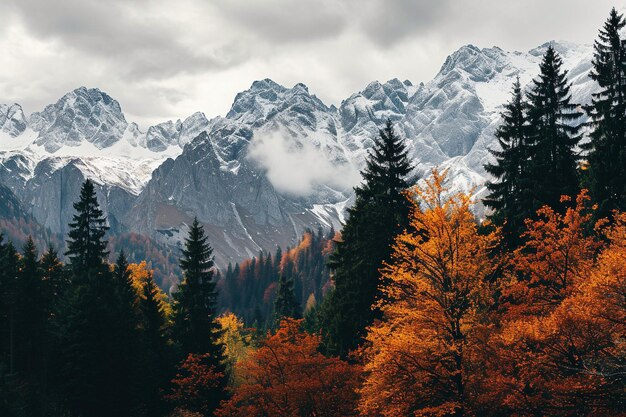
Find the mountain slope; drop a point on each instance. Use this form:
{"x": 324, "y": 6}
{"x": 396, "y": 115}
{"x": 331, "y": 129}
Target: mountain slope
{"x": 278, "y": 162}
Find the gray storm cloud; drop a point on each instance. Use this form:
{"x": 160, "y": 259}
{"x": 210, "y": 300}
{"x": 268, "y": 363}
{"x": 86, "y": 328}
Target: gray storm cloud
{"x": 141, "y": 52}
{"x": 298, "y": 168}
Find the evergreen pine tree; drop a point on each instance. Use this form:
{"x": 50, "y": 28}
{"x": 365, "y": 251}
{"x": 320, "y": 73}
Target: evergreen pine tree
{"x": 55, "y": 279}
{"x": 31, "y": 311}
{"x": 96, "y": 373}
{"x": 606, "y": 175}
{"x": 195, "y": 329}
{"x": 55, "y": 282}
{"x": 9, "y": 269}
{"x": 554, "y": 135}
{"x": 154, "y": 354}
{"x": 29, "y": 334}
{"x": 9, "y": 266}
{"x": 277, "y": 258}
{"x": 86, "y": 245}
{"x": 380, "y": 212}
{"x": 510, "y": 194}
{"x": 123, "y": 288}
{"x": 125, "y": 335}
{"x": 285, "y": 304}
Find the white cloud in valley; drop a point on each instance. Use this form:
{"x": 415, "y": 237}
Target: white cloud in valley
{"x": 298, "y": 167}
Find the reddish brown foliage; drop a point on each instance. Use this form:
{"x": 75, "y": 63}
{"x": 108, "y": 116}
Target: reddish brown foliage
{"x": 560, "y": 348}
{"x": 195, "y": 385}
{"x": 287, "y": 376}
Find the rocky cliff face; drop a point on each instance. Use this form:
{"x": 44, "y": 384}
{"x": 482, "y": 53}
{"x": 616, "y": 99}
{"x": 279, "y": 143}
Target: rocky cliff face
{"x": 224, "y": 170}
{"x": 12, "y": 119}
{"x": 82, "y": 115}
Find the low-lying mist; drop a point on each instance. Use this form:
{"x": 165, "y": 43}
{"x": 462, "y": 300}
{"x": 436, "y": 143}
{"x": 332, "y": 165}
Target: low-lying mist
{"x": 298, "y": 168}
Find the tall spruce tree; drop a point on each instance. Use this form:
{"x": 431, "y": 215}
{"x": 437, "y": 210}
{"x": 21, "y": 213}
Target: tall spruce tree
{"x": 606, "y": 174}
{"x": 55, "y": 278}
{"x": 124, "y": 290}
{"x": 195, "y": 329}
{"x": 554, "y": 135}
{"x": 96, "y": 376}
{"x": 125, "y": 335}
{"x": 286, "y": 305}
{"x": 511, "y": 193}
{"x": 86, "y": 247}
{"x": 380, "y": 212}
{"x": 9, "y": 270}
{"x": 155, "y": 358}
{"x": 9, "y": 267}
{"x": 31, "y": 311}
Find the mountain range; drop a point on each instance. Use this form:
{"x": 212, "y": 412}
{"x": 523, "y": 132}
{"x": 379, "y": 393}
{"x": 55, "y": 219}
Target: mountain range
{"x": 279, "y": 162}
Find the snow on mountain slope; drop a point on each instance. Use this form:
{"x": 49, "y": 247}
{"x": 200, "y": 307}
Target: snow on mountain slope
{"x": 87, "y": 125}
{"x": 121, "y": 164}
{"x": 451, "y": 120}
{"x": 279, "y": 162}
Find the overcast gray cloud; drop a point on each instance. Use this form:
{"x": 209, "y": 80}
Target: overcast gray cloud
{"x": 287, "y": 21}
{"x": 164, "y": 60}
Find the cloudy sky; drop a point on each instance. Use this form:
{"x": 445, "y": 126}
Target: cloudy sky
{"x": 166, "y": 59}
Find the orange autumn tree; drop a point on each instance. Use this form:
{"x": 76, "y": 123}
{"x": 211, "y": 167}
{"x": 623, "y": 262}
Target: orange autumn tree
{"x": 418, "y": 357}
{"x": 558, "y": 246}
{"x": 569, "y": 356}
{"x": 287, "y": 376}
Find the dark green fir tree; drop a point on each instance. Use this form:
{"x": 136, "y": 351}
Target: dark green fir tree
{"x": 86, "y": 246}
{"x": 605, "y": 175}
{"x": 30, "y": 344}
{"x": 195, "y": 329}
{"x": 554, "y": 133}
{"x": 155, "y": 357}
{"x": 124, "y": 290}
{"x": 9, "y": 271}
{"x": 96, "y": 370}
{"x": 55, "y": 277}
{"x": 511, "y": 193}
{"x": 286, "y": 305}
{"x": 10, "y": 399}
{"x": 380, "y": 212}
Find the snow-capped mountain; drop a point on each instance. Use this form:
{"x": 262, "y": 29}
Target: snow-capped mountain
{"x": 12, "y": 119}
{"x": 227, "y": 170}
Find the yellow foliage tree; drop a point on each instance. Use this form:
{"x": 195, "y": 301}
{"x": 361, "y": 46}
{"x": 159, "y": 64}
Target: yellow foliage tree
{"x": 236, "y": 341}
{"x": 417, "y": 359}
{"x": 139, "y": 274}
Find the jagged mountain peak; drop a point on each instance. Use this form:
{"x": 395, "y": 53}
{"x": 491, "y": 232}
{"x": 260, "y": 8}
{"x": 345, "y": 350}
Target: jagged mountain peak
{"x": 82, "y": 114}
{"x": 479, "y": 64}
{"x": 266, "y": 98}
{"x": 12, "y": 119}
{"x": 175, "y": 133}
{"x": 266, "y": 84}
{"x": 92, "y": 96}
{"x": 363, "y": 112}
{"x": 561, "y": 47}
